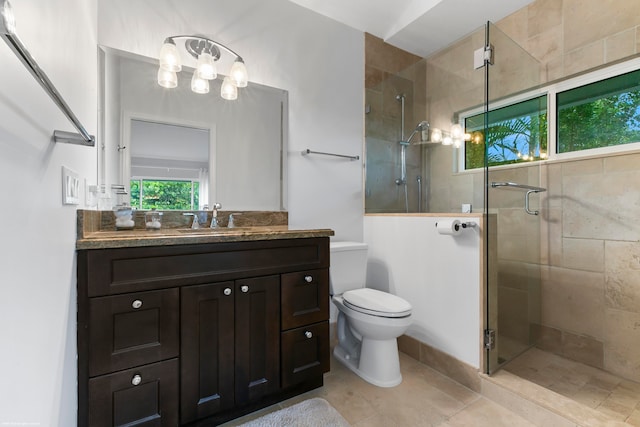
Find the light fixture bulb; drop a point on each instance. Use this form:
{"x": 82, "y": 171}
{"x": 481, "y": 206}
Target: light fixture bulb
{"x": 436, "y": 135}
{"x": 457, "y": 143}
{"x": 457, "y": 132}
{"x": 167, "y": 79}
{"x": 447, "y": 140}
{"x": 228, "y": 90}
{"x": 7, "y": 18}
{"x": 239, "y": 73}
{"x": 206, "y": 67}
{"x": 199, "y": 85}
{"x": 169, "y": 57}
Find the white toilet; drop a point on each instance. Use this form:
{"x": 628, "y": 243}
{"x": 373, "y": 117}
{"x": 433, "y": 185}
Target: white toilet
{"x": 369, "y": 321}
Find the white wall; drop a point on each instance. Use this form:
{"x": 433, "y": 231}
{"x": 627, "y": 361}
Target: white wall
{"x": 37, "y": 268}
{"x": 320, "y": 63}
{"x": 438, "y": 274}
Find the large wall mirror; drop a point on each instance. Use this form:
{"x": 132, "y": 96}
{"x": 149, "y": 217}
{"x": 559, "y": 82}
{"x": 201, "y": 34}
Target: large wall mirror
{"x": 232, "y": 152}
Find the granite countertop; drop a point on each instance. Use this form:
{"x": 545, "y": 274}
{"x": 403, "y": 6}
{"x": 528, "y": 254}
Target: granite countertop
{"x": 173, "y": 236}
{"x": 97, "y": 230}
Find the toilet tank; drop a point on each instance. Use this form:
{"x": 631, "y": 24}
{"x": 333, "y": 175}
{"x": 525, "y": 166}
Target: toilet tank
{"x": 348, "y": 266}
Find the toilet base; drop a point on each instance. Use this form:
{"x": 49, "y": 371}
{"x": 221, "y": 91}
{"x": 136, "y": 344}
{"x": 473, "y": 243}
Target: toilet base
{"x": 378, "y": 363}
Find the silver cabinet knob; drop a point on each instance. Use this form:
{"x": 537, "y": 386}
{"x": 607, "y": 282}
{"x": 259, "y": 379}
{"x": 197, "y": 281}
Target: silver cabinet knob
{"x": 227, "y": 291}
{"x": 136, "y": 304}
{"x": 308, "y": 334}
{"x": 308, "y": 279}
{"x": 137, "y": 379}
{"x": 244, "y": 288}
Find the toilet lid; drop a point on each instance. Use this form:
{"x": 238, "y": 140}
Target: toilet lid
{"x": 377, "y": 303}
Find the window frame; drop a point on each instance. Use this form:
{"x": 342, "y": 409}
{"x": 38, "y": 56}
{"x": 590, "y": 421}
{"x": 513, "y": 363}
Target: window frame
{"x": 551, "y": 90}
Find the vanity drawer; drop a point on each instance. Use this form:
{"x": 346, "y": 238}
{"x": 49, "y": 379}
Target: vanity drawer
{"x": 144, "y": 396}
{"x": 132, "y": 329}
{"x": 305, "y": 298}
{"x": 305, "y": 353}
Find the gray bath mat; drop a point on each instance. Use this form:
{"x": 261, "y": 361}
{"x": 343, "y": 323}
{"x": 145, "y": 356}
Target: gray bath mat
{"x": 314, "y": 412}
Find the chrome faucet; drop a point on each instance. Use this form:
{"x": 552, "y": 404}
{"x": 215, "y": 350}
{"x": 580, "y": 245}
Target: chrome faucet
{"x": 231, "y": 223}
{"x": 195, "y": 224}
{"x": 214, "y": 215}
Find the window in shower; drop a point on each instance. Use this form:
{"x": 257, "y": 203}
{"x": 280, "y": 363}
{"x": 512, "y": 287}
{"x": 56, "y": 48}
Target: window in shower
{"x": 516, "y": 133}
{"x": 600, "y": 114}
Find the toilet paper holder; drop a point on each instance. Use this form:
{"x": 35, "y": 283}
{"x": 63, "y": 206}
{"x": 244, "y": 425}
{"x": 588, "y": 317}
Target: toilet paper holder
{"x": 463, "y": 225}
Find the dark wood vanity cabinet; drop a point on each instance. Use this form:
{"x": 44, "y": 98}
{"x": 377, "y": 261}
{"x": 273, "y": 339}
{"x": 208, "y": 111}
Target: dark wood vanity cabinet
{"x": 230, "y": 346}
{"x": 199, "y": 334}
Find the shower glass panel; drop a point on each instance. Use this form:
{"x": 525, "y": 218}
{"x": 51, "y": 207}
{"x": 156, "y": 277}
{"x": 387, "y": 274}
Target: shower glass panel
{"x": 513, "y": 233}
{"x": 395, "y": 107}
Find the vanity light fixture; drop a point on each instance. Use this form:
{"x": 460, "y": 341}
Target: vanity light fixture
{"x": 206, "y": 52}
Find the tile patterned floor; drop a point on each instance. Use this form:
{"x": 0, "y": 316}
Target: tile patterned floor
{"x": 425, "y": 398}
{"x": 614, "y": 396}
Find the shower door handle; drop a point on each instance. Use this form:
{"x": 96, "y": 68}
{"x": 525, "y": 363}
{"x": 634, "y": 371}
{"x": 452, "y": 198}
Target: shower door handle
{"x": 526, "y": 203}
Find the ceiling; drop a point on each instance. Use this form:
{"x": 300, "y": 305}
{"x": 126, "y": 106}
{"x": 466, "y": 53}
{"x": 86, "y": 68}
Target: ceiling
{"x": 421, "y": 27}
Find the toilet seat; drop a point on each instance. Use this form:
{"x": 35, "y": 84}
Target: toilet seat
{"x": 376, "y": 303}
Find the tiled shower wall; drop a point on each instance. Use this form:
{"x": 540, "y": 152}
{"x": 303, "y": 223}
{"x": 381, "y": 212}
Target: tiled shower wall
{"x": 390, "y": 71}
{"x": 590, "y": 295}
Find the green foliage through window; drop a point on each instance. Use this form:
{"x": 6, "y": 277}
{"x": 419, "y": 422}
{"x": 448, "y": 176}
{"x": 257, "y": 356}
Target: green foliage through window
{"x": 164, "y": 194}
{"x": 600, "y": 114}
{"x": 515, "y": 133}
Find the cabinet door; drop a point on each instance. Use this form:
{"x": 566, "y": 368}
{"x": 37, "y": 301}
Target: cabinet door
{"x": 257, "y": 338}
{"x": 132, "y": 329}
{"x": 305, "y": 353}
{"x": 305, "y": 298}
{"x": 206, "y": 357}
{"x": 144, "y": 396}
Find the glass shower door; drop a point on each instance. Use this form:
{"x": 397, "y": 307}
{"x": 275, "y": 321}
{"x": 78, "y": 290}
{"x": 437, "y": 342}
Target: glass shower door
{"x": 512, "y": 199}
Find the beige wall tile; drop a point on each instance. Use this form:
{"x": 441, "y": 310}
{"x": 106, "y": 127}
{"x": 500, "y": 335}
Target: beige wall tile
{"x": 573, "y": 301}
{"x": 546, "y": 45}
{"x": 623, "y": 163}
{"x": 582, "y": 167}
{"x": 622, "y": 352}
{"x": 583, "y": 349}
{"x": 544, "y": 15}
{"x": 586, "y": 21}
{"x": 598, "y": 206}
{"x": 583, "y": 254}
{"x": 584, "y": 58}
{"x": 622, "y": 275}
{"x": 516, "y": 26}
{"x": 620, "y": 45}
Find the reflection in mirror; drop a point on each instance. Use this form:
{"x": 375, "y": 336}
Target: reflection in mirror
{"x": 162, "y": 180}
{"x": 147, "y": 132}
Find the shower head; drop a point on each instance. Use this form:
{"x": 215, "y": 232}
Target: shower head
{"x": 421, "y": 127}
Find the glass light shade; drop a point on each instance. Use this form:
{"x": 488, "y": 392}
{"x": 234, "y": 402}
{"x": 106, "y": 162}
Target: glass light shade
{"x": 436, "y": 135}
{"x": 7, "y": 18}
{"x": 206, "y": 67}
{"x": 447, "y": 140}
{"x": 167, "y": 79}
{"x": 228, "y": 90}
{"x": 199, "y": 85}
{"x": 239, "y": 74}
{"x": 169, "y": 57}
{"x": 457, "y": 132}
